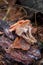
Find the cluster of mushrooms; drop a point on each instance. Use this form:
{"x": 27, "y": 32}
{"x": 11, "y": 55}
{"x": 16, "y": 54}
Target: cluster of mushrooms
{"x": 19, "y": 41}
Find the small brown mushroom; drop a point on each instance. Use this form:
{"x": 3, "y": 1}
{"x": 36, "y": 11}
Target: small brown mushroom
{"x": 20, "y": 43}
{"x": 21, "y": 28}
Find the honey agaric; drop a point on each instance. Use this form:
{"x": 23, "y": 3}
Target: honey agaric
{"x": 20, "y": 43}
{"x": 24, "y": 28}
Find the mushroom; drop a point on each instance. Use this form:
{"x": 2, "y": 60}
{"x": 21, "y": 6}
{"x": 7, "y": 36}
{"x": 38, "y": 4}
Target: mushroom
{"x": 20, "y": 43}
{"x": 23, "y": 28}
